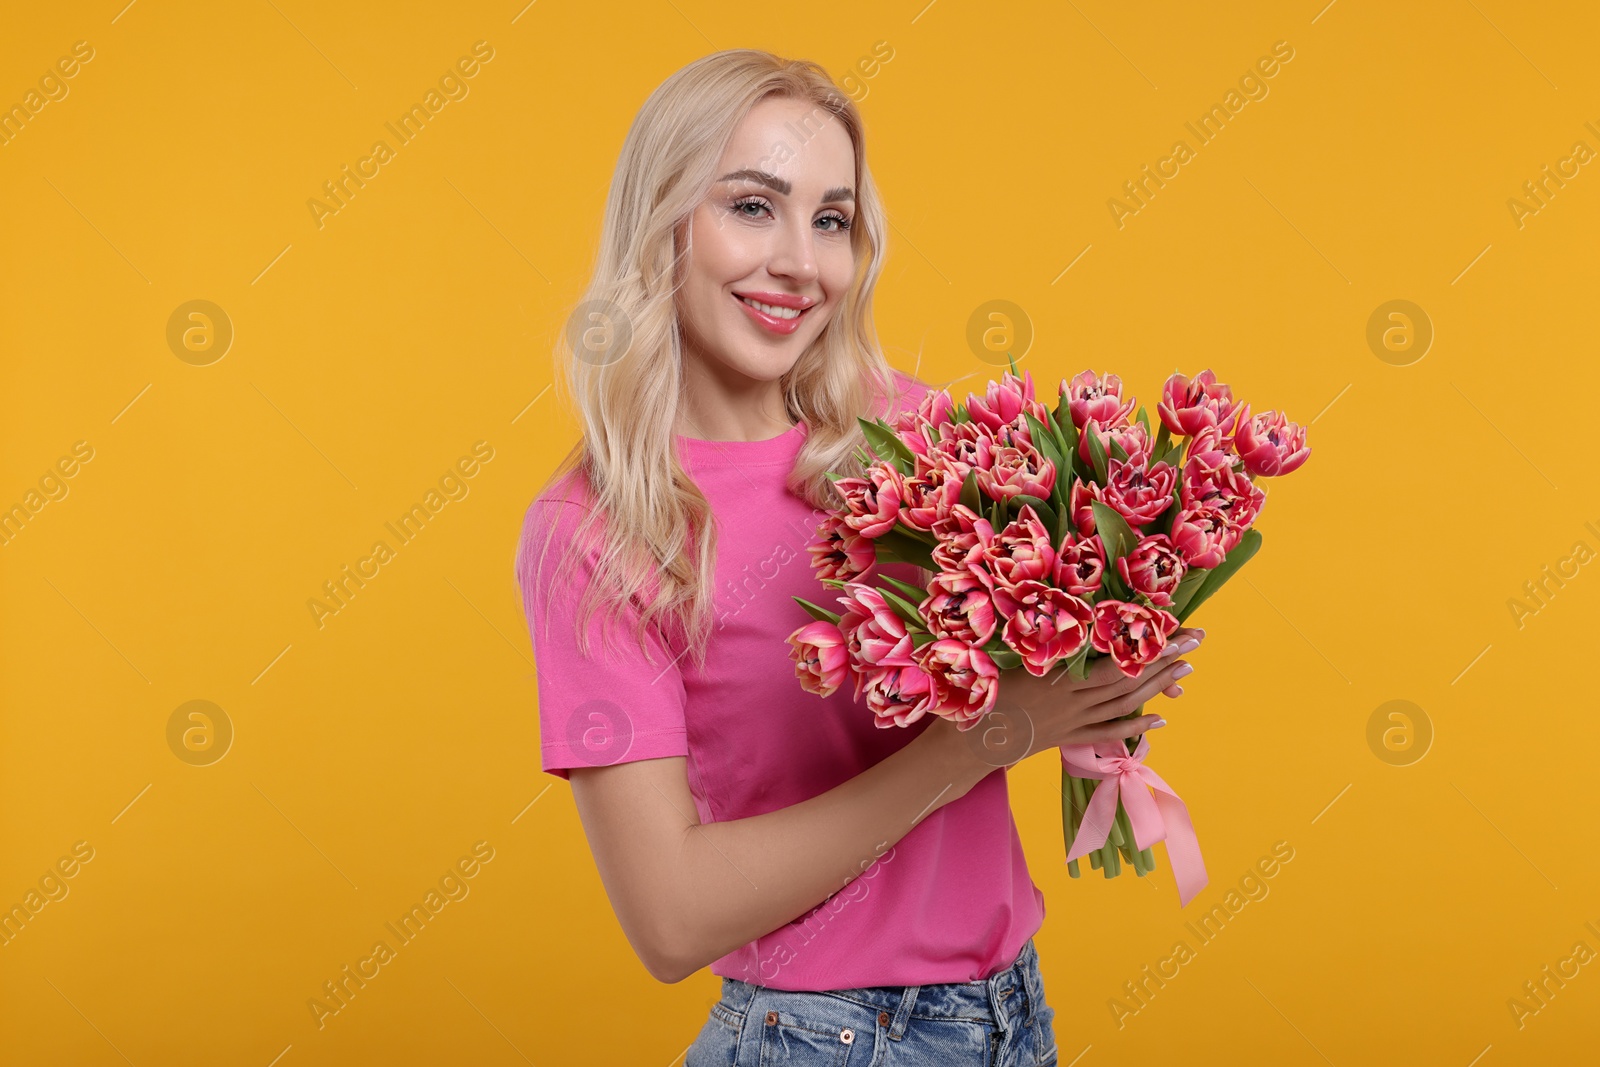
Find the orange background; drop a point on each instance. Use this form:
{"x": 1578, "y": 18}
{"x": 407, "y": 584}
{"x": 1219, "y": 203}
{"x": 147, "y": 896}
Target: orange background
{"x": 370, "y": 753}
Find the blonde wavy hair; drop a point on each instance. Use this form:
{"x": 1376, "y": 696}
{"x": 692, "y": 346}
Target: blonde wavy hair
{"x": 651, "y": 511}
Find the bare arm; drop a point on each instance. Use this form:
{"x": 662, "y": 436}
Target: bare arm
{"x": 687, "y": 894}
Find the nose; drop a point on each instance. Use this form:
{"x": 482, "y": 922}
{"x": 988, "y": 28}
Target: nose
{"x": 794, "y": 252}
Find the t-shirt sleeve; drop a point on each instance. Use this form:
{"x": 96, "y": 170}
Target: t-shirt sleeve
{"x": 613, "y": 705}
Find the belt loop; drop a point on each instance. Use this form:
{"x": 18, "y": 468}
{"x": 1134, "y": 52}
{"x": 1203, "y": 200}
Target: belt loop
{"x": 902, "y": 1013}
{"x": 997, "y": 1004}
{"x": 1032, "y": 982}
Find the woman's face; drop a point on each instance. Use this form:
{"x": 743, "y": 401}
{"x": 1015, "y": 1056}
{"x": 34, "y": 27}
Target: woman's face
{"x": 774, "y": 230}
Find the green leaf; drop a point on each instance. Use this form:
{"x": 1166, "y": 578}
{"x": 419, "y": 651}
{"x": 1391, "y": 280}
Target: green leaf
{"x": 1247, "y": 546}
{"x": 1044, "y": 439}
{"x": 1168, "y": 518}
{"x": 887, "y": 444}
{"x": 997, "y": 515}
{"x": 1112, "y": 581}
{"x": 920, "y": 638}
{"x": 820, "y": 614}
{"x": 898, "y": 547}
{"x": 1078, "y": 665}
{"x": 1190, "y": 584}
{"x": 1118, "y": 537}
{"x": 907, "y": 588}
{"x": 1046, "y": 513}
{"x": 1143, "y": 418}
{"x": 1061, "y": 500}
{"x": 1097, "y": 456}
{"x": 905, "y": 610}
{"x": 960, "y": 415}
{"x": 1118, "y": 452}
{"x": 1063, "y": 412}
{"x": 1163, "y": 438}
{"x": 1066, "y": 435}
{"x": 971, "y": 496}
{"x": 1013, "y": 362}
{"x": 1005, "y": 658}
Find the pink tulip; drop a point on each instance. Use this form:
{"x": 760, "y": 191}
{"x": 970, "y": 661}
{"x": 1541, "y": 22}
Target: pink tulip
{"x": 1270, "y": 444}
{"x": 1132, "y": 634}
{"x": 1046, "y": 625}
{"x": 873, "y": 502}
{"x": 965, "y": 680}
{"x": 1005, "y": 471}
{"x": 1091, "y": 397}
{"x": 1153, "y": 568}
{"x": 896, "y": 696}
{"x": 821, "y": 660}
{"x": 928, "y": 497}
{"x": 957, "y": 449}
{"x": 1081, "y": 565}
{"x": 1134, "y": 439}
{"x": 1188, "y": 407}
{"x": 874, "y": 633}
{"x": 1004, "y": 402}
{"x": 841, "y": 553}
{"x": 963, "y": 534}
{"x": 1020, "y": 552}
{"x": 1138, "y": 494}
{"x": 1210, "y": 451}
{"x": 1202, "y": 535}
{"x": 1226, "y": 489}
{"x": 960, "y": 607}
{"x": 936, "y": 409}
{"x": 1080, "y": 500}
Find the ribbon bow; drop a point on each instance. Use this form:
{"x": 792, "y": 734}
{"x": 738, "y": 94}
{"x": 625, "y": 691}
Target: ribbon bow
{"x": 1162, "y": 817}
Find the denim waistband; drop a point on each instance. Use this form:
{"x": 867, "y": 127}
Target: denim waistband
{"x": 1007, "y": 995}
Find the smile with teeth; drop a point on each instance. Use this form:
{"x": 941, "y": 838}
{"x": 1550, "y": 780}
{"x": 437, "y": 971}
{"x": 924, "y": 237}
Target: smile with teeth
{"x": 773, "y": 310}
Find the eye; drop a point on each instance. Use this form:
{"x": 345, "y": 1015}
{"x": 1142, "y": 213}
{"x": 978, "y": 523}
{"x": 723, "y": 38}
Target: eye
{"x": 835, "y": 217}
{"x": 738, "y": 207}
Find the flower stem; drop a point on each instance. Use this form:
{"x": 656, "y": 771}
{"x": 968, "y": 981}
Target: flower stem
{"x": 1069, "y": 814}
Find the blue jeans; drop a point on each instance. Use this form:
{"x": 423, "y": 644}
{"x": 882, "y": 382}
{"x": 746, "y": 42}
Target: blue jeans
{"x": 1000, "y": 1021}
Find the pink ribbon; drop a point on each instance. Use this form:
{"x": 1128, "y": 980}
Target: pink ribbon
{"x": 1161, "y": 817}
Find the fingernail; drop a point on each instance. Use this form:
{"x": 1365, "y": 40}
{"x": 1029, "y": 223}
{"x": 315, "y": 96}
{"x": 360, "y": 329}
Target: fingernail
{"x": 1158, "y": 722}
{"x": 1169, "y": 650}
{"x": 1178, "y": 689}
{"x": 1183, "y": 669}
{"x": 1189, "y": 645}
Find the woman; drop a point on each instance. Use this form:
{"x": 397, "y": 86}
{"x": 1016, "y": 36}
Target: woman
{"x": 861, "y": 892}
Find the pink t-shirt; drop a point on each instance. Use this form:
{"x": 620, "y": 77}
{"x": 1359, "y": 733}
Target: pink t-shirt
{"x": 951, "y": 901}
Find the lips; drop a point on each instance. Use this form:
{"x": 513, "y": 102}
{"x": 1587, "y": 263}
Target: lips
{"x": 778, "y": 313}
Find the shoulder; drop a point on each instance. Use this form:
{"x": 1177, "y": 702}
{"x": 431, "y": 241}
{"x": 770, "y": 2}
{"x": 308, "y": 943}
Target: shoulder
{"x": 551, "y": 521}
{"x": 909, "y": 392}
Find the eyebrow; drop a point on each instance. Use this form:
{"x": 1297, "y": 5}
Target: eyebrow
{"x": 772, "y": 181}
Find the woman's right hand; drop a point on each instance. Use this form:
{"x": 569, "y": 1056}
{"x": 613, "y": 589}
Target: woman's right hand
{"x": 1034, "y": 714}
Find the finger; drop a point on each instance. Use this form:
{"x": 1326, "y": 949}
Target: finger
{"x": 1103, "y": 671}
{"x": 1121, "y": 728}
{"x": 1173, "y": 690}
{"x": 1154, "y": 680}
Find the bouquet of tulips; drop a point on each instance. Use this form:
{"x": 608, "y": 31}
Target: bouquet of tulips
{"x": 1054, "y": 537}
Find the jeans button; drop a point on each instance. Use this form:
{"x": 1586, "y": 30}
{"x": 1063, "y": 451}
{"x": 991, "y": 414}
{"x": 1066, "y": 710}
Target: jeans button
{"x": 772, "y": 1018}
{"x": 883, "y": 1018}
{"x": 847, "y": 1035}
